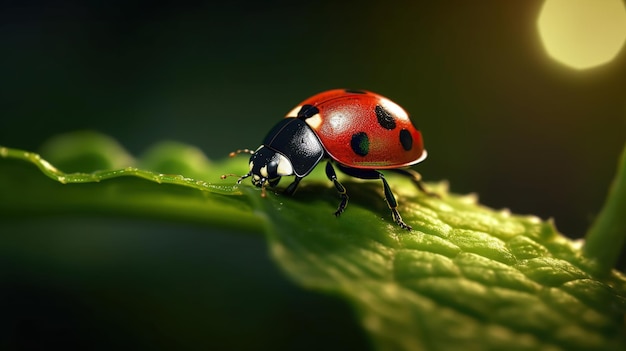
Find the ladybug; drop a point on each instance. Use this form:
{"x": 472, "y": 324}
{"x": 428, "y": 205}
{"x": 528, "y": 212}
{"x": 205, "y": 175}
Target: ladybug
{"x": 358, "y": 131}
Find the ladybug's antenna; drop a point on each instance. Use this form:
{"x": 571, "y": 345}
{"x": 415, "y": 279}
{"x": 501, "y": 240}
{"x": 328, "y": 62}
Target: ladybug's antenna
{"x": 263, "y": 181}
{"x": 241, "y": 151}
{"x": 224, "y": 176}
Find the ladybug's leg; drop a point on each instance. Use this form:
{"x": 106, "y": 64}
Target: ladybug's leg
{"x": 416, "y": 178}
{"x": 393, "y": 204}
{"x": 291, "y": 189}
{"x": 330, "y": 173}
{"x": 389, "y": 197}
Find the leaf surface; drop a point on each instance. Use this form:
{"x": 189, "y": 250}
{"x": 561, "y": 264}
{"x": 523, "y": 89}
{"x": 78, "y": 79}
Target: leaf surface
{"x": 467, "y": 276}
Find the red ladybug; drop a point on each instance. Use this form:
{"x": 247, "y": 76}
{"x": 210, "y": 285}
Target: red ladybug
{"x": 357, "y": 130}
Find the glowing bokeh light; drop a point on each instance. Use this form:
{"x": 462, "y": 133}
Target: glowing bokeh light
{"x": 582, "y": 33}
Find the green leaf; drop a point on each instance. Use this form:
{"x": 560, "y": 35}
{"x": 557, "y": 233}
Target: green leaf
{"x": 121, "y": 191}
{"x": 610, "y": 226}
{"x": 467, "y": 277}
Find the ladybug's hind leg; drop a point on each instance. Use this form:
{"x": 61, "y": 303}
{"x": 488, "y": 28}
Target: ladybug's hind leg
{"x": 389, "y": 197}
{"x": 416, "y": 178}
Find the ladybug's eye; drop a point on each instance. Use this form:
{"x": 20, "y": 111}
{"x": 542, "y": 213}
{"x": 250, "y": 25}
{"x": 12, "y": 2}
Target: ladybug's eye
{"x": 274, "y": 182}
{"x": 271, "y": 168}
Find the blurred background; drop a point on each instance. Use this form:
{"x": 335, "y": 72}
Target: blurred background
{"x": 503, "y": 113}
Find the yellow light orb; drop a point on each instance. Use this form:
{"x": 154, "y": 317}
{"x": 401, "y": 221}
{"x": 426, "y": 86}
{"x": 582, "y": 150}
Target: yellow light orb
{"x": 582, "y": 33}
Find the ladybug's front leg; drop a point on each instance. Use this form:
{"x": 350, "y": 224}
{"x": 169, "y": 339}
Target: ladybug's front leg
{"x": 291, "y": 189}
{"x": 330, "y": 173}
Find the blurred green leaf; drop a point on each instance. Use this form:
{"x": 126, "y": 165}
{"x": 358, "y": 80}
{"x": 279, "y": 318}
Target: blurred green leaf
{"x": 610, "y": 225}
{"x": 466, "y": 277}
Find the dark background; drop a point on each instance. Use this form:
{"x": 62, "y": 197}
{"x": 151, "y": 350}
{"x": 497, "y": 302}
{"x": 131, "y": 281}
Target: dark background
{"x": 499, "y": 116}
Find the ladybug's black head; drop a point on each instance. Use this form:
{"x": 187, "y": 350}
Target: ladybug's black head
{"x": 267, "y": 166}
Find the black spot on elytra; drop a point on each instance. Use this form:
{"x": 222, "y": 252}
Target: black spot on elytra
{"x": 307, "y": 111}
{"x": 385, "y": 119}
{"x": 355, "y": 91}
{"x": 406, "y": 139}
{"x": 360, "y": 144}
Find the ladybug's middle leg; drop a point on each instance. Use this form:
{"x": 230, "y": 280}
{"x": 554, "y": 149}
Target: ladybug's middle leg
{"x": 389, "y": 197}
{"x": 330, "y": 173}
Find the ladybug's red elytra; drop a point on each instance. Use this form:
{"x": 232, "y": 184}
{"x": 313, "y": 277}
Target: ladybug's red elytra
{"x": 359, "y": 131}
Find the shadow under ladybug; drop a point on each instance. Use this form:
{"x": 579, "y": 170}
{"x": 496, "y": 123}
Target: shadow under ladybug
{"x": 357, "y": 131}
{"x": 365, "y": 194}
